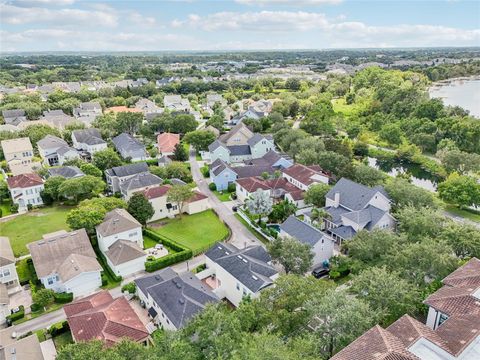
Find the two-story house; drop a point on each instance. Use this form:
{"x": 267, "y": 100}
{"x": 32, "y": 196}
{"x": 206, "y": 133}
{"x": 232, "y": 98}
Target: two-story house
{"x": 120, "y": 239}
{"x": 234, "y": 273}
{"x": 87, "y": 112}
{"x": 137, "y": 183}
{"x": 66, "y": 262}
{"x": 173, "y": 299}
{"x": 353, "y": 207}
{"x": 117, "y": 175}
{"x": 55, "y": 151}
{"x": 130, "y": 148}
{"x": 14, "y": 116}
{"x": 8, "y": 271}
{"x": 304, "y": 176}
{"x": 176, "y": 103}
{"x": 18, "y": 154}
{"x": 167, "y": 142}
{"x": 89, "y": 140}
{"x": 25, "y": 189}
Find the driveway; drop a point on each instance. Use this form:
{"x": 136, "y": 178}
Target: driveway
{"x": 241, "y": 236}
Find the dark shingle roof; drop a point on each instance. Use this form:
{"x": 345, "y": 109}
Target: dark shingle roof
{"x": 301, "y": 231}
{"x": 126, "y": 143}
{"x": 51, "y": 141}
{"x": 128, "y": 170}
{"x": 88, "y": 136}
{"x": 140, "y": 181}
{"x": 215, "y": 145}
{"x": 353, "y": 195}
{"x": 255, "y": 139}
{"x": 239, "y": 150}
{"x": 67, "y": 172}
{"x": 345, "y": 232}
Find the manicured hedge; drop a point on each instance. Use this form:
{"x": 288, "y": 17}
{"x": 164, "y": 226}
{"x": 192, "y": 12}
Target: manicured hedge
{"x": 130, "y": 288}
{"x": 63, "y": 298}
{"x": 58, "y": 328}
{"x": 35, "y": 307}
{"x": 182, "y": 253}
{"x": 17, "y": 316}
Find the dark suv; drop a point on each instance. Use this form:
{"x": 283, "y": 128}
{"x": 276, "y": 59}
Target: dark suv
{"x": 320, "y": 272}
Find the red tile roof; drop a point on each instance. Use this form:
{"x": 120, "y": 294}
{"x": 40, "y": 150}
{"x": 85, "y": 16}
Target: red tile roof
{"x": 459, "y": 331}
{"x": 101, "y": 317}
{"x": 467, "y": 275}
{"x": 24, "y": 181}
{"x": 197, "y": 196}
{"x": 156, "y": 191}
{"x": 252, "y": 184}
{"x": 279, "y": 186}
{"x": 304, "y": 173}
{"x": 167, "y": 142}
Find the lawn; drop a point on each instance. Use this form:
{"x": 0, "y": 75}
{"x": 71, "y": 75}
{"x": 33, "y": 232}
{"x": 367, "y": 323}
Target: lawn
{"x": 470, "y": 215}
{"x": 31, "y": 226}
{"x": 62, "y": 339}
{"x": 148, "y": 242}
{"x": 25, "y": 271}
{"x": 5, "y": 205}
{"x": 339, "y": 106}
{"x": 197, "y": 232}
{"x": 222, "y": 196}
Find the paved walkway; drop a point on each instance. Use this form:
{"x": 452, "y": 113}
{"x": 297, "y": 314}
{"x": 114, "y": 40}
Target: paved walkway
{"x": 461, "y": 220}
{"x": 241, "y": 236}
{"x": 48, "y": 349}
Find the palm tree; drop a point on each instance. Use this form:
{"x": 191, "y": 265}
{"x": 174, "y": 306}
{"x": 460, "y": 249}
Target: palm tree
{"x": 319, "y": 215}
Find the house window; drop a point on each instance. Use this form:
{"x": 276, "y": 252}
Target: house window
{"x": 132, "y": 234}
{"x": 6, "y": 272}
{"x": 244, "y": 292}
{"x": 442, "y": 319}
{"x": 238, "y": 286}
{"x": 50, "y": 281}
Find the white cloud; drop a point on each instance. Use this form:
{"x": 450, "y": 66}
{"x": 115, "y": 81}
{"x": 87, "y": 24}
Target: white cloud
{"x": 288, "y": 2}
{"x": 40, "y": 3}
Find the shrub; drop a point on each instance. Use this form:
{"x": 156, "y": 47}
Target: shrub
{"x": 36, "y": 307}
{"x": 168, "y": 260}
{"x": 205, "y": 171}
{"x": 212, "y": 186}
{"x": 130, "y": 288}
{"x": 104, "y": 279}
{"x": 232, "y": 187}
{"x": 18, "y": 315}
{"x": 14, "y": 208}
{"x": 58, "y": 328}
{"x": 29, "y": 207}
{"x": 63, "y": 298}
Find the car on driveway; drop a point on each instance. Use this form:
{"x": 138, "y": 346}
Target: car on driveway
{"x": 320, "y": 272}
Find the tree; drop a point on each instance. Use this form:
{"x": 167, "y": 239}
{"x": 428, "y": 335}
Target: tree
{"x": 216, "y": 121}
{"x": 200, "y": 139}
{"x": 259, "y": 203}
{"x": 85, "y": 186}
{"x": 107, "y": 124}
{"x": 128, "y": 122}
{"x": 461, "y": 190}
{"x": 335, "y": 328}
{"x": 51, "y": 187}
{"x": 459, "y": 161}
{"x": 463, "y": 238}
{"x": 403, "y": 194}
{"x": 4, "y": 192}
{"x": 292, "y": 84}
{"x": 90, "y": 169}
{"x": 179, "y": 194}
{"x": 315, "y": 195}
{"x": 281, "y": 211}
{"x": 391, "y": 133}
{"x": 179, "y": 153}
{"x": 386, "y": 292}
{"x": 96, "y": 350}
{"x": 43, "y": 297}
{"x": 140, "y": 208}
{"x": 335, "y": 163}
{"x": 106, "y": 159}
{"x": 419, "y": 223}
{"x": 182, "y": 124}
{"x": 295, "y": 257}
{"x": 38, "y": 132}
{"x": 368, "y": 176}
{"x": 318, "y": 120}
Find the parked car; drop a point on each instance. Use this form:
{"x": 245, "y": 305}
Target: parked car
{"x": 234, "y": 208}
{"x": 320, "y": 272}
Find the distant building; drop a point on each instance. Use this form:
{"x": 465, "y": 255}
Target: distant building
{"x": 129, "y": 147}
{"x": 87, "y": 112}
{"x": 176, "y": 103}
{"x": 14, "y": 117}
{"x": 89, "y": 140}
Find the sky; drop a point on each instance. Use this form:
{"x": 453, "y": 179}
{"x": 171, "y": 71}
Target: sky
{"x": 75, "y": 25}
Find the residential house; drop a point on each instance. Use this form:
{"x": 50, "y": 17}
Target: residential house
{"x": 304, "y": 176}
{"x": 163, "y": 82}
{"x": 89, "y": 140}
{"x": 451, "y": 333}
{"x": 173, "y": 299}
{"x": 176, "y": 103}
{"x": 238, "y": 145}
{"x": 138, "y": 182}
{"x": 117, "y": 175}
{"x": 213, "y": 99}
{"x": 120, "y": 109}
{"x": 322, "y": 245}
{"x": 237, "y": 273}
{"x": 101, "y": 317}
{"x": 87, "y": 112}
{"x": 164, "y": 160}
{"x": 158, "y": 197}
{"x": 14, "y": 117}
{"x": 58, "y": 119}
{"x": 8, "y": 271}
{"x": 18, "y": 152}
{"x": 167, "y": 142}
{"x": 66, "y": 262}
{"x": 67, "y": 172}
{"x": 4, "y": 304}
{"x": 148, "y": 107}
{"x": 55, "y": 151}
{"x": 120, "y": 239}
{"x": 25, "y": 189}
{"x": 213, "y": 130}
{"x": 129, "y": 147}
{"x": 14, "y": 347}
{"x": 353, "y": 207}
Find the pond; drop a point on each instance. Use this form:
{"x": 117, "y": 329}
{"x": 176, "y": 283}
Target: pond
{"x": 419, "y": 176}
{"x": 463, "y": 92}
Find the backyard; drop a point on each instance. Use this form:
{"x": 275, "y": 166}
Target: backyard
{"x": 197, "y": 232}
{"x": 30, "y": 227}
{"x": 222, "y": 196}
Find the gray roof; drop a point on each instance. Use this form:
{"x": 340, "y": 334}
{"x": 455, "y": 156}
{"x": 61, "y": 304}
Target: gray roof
{"x": 301, "y": 231}
{"x": 353, "y": 196}
{"x": 255, "y": 139}
{"x": 123, "y": 251}
{"x": 345, "y": 232}
{"x": 89, "y": 136}
{"x": 215, "y": 145}
{"x": 250, "y": 266}
{"x": 239, "y": 150}
{"x": 67, "y": 172}
{"x": 14, "y": 117}
{"x": 116, "y": 222}
{"x": 218, "y": 166}
{"x": 128, "y": 170}
{"x": 51, "y": 141}
{"x": 176, "y": 181}
{"x": 336, "y": 213}
{"x": 252, "y": 170}
{"x": 180, "y": 296}
{"x": 64, "y": 149}
{"x": 165, "y": 160}
{"x": 92, "y": 105}
{"x": 270, "y": 158}
{"x": 127, "y": 144}
{"x": 140, "y": 181}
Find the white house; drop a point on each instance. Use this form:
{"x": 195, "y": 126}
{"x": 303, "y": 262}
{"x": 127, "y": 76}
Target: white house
{"x": 25, "y": 189}
{"x": 304, "y": 176}
{"x": 8, "y": 271}
{"x": 55, "y": 151}
{"x": 89, "y": 140}
{"x": 173, "y": 299}
{"x": 137, "y": 183}
{"x": 234, "y": 274}
{"x": 4, "y": 304}
{"x": 66, "y": 262}
{"x": 117, "y": 175}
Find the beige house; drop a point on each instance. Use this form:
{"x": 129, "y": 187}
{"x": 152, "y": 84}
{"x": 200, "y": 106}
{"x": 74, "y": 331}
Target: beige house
{"x": 8, "y": 272}
{"x": 19, "y": 155}
{"x": 13, "y": 348}
{"x": 158, "y": 197}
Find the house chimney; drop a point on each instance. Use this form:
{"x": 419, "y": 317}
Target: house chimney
{"x": 336, "y": 199}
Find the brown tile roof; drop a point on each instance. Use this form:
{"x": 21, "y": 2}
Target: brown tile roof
{"x": 122, "y": 251}
{"x": 117, "y": 221}
{"x": 101, "y": 317}
{"x": 62, "y": 253}
{"x": 24, "y": 181}
{"x": 467, "y": 275}
{"x": 197, "y": 196}
{"x": 252, "y": 184}
{"x": 459, "y": 331}
{"x": 167, "y": 141}
{"x": 157, "y": 191}
{"x": 376, "y": 343}
{"x": 304, "y": 173}
{"x": 6, "y": 252}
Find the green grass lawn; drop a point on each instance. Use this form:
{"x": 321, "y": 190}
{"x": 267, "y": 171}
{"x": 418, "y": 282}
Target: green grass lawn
{"x": 31, "y": 226}
{"x": 25, "y": 272}
{"x": 470, "y": 215}
{"x": 222, "y": 196}
{"x": 5, "y": 205}
{"x": 148, "y": 242}
{"x": 197, "y": 232}
{"x": 340, "y": 106}
{"x": 62, "y": 339}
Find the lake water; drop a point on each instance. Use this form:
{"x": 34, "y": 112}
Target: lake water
{"x": 463, "y": 92}
{"x": 418, "y": 176}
